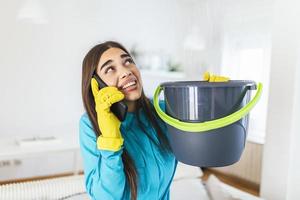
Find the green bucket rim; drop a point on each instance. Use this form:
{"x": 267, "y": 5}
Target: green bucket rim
{"x": 201, "y": 127}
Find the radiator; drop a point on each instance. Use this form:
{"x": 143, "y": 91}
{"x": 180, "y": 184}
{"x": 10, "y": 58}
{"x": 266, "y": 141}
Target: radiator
{"x": 48, "y": 189}
{"x": 248, "y": 168}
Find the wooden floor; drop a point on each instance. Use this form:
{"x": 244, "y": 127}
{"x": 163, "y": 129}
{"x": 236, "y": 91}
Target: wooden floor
{"x": 232, "y": 181}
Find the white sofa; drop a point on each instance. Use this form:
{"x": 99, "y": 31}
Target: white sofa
{"x": 186, "y": 185}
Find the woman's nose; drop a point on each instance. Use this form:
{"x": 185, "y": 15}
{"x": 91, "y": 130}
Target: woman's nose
{"x": 126, "y": 73}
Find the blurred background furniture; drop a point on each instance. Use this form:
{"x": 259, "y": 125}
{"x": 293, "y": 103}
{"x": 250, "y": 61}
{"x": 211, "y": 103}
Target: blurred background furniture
{"x": 187, "y": 184}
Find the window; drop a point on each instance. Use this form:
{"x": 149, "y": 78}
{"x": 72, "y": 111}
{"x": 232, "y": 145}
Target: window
{"x": 246, "y": 56}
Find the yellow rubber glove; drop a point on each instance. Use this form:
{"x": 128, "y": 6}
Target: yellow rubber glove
{"x": 109, "y": 125}
{"x": 214, "y": 78}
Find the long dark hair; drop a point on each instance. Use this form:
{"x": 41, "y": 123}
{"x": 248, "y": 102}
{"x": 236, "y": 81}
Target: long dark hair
{"x": 89, "y": 66}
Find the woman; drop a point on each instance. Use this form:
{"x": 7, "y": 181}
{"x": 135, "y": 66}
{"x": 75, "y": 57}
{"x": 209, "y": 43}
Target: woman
{"x": 131, "y": 159}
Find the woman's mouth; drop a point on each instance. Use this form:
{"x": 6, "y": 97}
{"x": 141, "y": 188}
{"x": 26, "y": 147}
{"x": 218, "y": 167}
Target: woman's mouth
{"x": 130, "y": 87}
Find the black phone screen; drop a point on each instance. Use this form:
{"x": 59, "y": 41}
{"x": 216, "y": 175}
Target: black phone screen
{"x": 119, "y": 108}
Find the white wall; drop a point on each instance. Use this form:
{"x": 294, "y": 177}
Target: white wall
{"x": 293, "y": 191}
{"x": 40, "y": 63}
{"x": 280, "y": 174}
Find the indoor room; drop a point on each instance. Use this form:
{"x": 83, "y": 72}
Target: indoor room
{"x": 186, "y": 56}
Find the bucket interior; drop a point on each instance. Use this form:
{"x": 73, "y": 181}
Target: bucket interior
{"x": 199, "y": 101}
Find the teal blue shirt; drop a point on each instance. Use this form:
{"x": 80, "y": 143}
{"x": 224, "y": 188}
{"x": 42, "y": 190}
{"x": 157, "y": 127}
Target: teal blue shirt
{"x": 104, "y": 170}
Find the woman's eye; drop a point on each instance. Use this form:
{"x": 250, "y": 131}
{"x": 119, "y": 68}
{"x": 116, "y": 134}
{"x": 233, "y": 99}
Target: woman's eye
{"x": 128, "y": 61}
{"x": 108, "y": 69}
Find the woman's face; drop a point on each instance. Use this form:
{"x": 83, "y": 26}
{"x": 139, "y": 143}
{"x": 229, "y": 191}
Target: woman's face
{"x": 117, "y": 68}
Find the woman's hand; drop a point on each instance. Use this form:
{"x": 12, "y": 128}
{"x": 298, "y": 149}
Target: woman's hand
{"x": 214, "y": 78}
{"x": 109, "y": 124}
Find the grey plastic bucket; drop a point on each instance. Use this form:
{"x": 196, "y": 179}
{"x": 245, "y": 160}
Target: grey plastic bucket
{"x": 221, "y": 111}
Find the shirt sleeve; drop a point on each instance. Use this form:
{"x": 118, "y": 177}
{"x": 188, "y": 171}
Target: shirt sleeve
{"x": 103, "y": 169}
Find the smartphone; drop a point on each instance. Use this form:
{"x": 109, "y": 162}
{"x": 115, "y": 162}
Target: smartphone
{"x": 119, "y": 108}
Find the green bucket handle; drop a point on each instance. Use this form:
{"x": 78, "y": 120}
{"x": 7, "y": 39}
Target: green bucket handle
{"x": 209, "y": 125}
